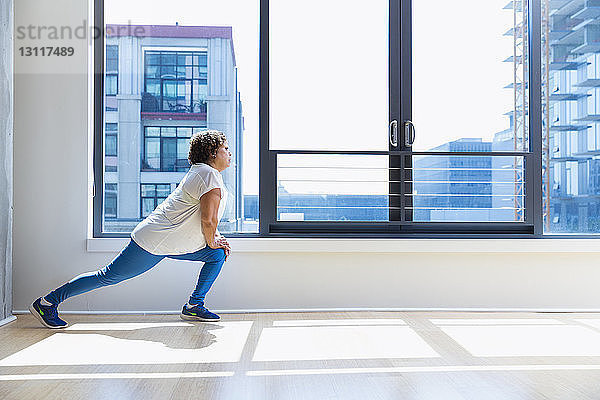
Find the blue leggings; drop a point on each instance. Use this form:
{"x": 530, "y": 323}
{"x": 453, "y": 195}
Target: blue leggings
{"x": 133, "y": 261}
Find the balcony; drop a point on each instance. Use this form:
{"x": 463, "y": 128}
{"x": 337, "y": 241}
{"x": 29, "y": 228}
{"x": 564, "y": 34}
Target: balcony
{"x": 172, "y": 110}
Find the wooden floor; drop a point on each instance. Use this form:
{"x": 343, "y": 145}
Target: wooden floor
{"x": 341, "y": 355}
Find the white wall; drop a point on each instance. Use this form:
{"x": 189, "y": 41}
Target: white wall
{"x": 51, "y": 169}
{"x": 6, "y": 157}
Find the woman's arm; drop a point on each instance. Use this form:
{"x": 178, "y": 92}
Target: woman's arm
{"x": 209, "y": 211}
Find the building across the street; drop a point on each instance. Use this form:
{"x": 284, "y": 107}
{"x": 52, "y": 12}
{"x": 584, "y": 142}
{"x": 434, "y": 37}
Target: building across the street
{"x": 162, "y": 84}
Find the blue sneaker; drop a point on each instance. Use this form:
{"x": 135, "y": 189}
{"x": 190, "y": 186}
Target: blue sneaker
{"x": 198, "y": 313}
{"x": 47, "y": 315}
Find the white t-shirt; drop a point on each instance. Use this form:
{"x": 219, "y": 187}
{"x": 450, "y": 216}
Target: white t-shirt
{"x": 174, "y": 227}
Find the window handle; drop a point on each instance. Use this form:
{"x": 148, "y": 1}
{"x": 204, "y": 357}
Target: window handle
{"x": 409, "y": 133}
{"x": 394, "y": 133}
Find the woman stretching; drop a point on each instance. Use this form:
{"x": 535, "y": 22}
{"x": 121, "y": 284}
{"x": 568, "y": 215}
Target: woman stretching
{"x": 182, "y": 227}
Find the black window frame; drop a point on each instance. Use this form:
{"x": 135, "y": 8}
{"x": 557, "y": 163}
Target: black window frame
{"x": 400, "y": 91}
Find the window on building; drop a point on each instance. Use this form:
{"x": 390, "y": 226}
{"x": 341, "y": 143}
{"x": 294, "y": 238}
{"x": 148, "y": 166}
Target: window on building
{"x": 110, "y": 146}
{"x": 152, "y": 195}
{"x": 175, "y": 81}
{"x": 112, "y": 70}
{"x": 166, "y": 148}
{"x": 112, "y": 58}
{"x": 111, "y": 84}
{"x": 110, "y": 138}
{"x": 110, "y": 200}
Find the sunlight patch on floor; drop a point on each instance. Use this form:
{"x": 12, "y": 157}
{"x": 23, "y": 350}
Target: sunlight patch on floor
{"x": 340, "y": 342}
{"x": 526, "y": 341}
{"x": 92, "y": 349}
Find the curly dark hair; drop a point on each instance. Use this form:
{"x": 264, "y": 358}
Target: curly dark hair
{"x": 204, "y": 145}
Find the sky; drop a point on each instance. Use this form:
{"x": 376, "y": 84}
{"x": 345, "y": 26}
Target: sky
{"x": 328, "y": 69}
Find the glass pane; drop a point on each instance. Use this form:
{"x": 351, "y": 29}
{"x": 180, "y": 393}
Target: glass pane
{"x": 334, "y": 75}
{"x": 112, "y": 64}
{"x": 111, "y": 85}
{"x": 152, "y": 156}
{"x": 181, "y": 86}
{"x": 467, "y": 188}
{"x": 174, "y": 79}
{"x": 148, "y": 190}
{"x": 112, "y": 58}
{"x": 467, "y": 84}
{"x": 152, "y": 131}
{"x": 167, "y": 71}
{"x": 184, "y": 132}
{"x": 110, "y": 205}
{"x": 168, "y": 154}
{"x": 163, "y": 190}
{"x": 171, "y": 131}
{"x": 147, "y": 206}
{"x": 112, "y": 52}
{"x": 571, "y": 117}
{"x": 183, "y": 146}
{"x": 170, "y": 89}
{"x": 153, "y": 87}
{"x": 152, "y": 58}
{"x": 332, "y": 188}
{"x": 168, "y": 58}
{"x": 110, "y": 147}
{"x": 152, "y": 71}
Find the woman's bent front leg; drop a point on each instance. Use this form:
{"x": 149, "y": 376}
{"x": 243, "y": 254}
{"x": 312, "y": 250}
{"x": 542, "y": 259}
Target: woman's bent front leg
{"x": 213, "y": 262}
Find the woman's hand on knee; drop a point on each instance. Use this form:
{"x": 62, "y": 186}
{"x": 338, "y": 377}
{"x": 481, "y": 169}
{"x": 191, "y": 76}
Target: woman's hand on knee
{"x": 221, "y": 243}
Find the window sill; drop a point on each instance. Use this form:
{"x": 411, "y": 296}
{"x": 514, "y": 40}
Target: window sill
{"x": 318, "y": 245}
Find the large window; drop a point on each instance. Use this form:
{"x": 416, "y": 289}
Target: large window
{"x": 361, "y": 166}
{"x": 167, "y": 74}
{"x": 467, "y": 123}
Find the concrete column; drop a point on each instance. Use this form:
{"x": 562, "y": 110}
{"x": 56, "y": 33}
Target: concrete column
{"x": 130, "y": 128}
{"x": 6, "y": 156}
